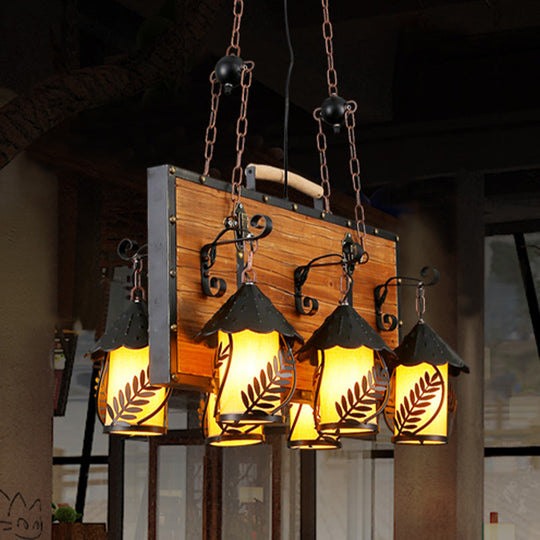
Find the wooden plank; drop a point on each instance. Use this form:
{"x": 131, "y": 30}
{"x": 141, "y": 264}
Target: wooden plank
{"x": 294, "y": 241}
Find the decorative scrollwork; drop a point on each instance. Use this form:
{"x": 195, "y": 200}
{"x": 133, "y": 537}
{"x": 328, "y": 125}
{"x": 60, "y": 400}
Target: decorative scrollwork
{"x": 390, "y": 407}
{"x": 265, "y": 393}
{"x": 351, "y": 255}
{"x": 387, "y": 322}
{"x": 130, "y": 401}
{"x": 359, "y": 399}
{"x": 215, "y": 286}
{"x": 304, "y": 304}
{"x": 408, "y": 419}
{"x": 129, "y": 250}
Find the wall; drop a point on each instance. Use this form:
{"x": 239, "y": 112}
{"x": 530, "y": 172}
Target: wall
{"x": 438, "y": 491}
{"x": 28, "y": 217}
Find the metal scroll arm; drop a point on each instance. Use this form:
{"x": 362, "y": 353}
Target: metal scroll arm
{"x": 386, "y": 321}
{"x": 129, "y": 250}
{"x": 351, "y": 255}
{"x": 239, "y": 224}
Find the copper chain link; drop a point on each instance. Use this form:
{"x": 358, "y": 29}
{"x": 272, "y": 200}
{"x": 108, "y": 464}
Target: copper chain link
{"x": 211, "y": 131}
{"x": 241, "y": 131}
{"x": 331, "y": 77}
{"x": 354, "y": 167}
{"x": 137, "y": 291}
{"x": 242, "y": 122}
{"x": 420, "y": 301}
{"x": 248, "y": 274}
{"x": 238, "y": 10}
{"x": 328, "y": 34}
{"x": 321, "y": 146}
{"x": 354, "y": 164}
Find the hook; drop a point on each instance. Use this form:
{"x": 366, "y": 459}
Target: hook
{"x": 388, "y": 322}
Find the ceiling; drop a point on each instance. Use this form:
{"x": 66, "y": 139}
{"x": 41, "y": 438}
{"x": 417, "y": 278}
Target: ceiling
{"x": 441, "y": 86}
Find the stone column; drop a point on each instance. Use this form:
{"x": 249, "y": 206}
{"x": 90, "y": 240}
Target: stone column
{"x": 28, "y": 218}
{"x": 470, "y": 346}
{"x": 438, "y": 490}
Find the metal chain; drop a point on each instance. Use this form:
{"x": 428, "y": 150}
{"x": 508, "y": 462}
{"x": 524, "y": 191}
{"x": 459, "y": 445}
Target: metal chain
{"x": 238, "y": 10}
{"x": 328, "y": 34}
{"x": 211, "y": 131}
{"x": 248, "y": 274}
{"x": 234, "y": 50}
{"x": 345, "y": 282}
{"x": 354, "y": 167}
{"x": 321, "y": 146}
{"x": 137, "y": 291}
{"x": 420, "y": 302}
{"x": 241, "y": 131}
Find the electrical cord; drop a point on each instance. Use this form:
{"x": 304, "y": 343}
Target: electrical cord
{"x": 287, "y": 106}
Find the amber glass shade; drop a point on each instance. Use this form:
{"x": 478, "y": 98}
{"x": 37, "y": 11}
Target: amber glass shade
{"x": 345, "y": 391}
{"x": 228, "y": 435}
{"x": 421, "y": 404}
{"x": 253, "y": 376}
{"x": 134, "y": 406}
{"x": 102, "y": 383}
{"x": 303, "y": 434}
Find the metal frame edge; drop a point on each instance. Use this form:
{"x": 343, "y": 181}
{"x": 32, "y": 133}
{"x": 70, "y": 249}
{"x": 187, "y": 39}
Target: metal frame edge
{"x": 281, "y": 203}
{"x": 161, "y": 272}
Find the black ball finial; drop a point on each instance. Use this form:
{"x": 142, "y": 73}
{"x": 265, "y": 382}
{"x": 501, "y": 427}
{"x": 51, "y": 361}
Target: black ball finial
{"x": 333, "y": 110}
{"x": 229, "y": 72}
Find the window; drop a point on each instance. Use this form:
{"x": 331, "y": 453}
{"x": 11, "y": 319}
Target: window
{"x": 512, "y": 387}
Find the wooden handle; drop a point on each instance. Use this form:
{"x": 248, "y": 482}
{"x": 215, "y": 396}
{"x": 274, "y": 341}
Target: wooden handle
{"x": 273, "y": 174}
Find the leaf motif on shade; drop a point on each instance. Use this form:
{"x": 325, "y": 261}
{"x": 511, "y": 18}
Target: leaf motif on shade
{"x": 130, "y": 401}
{"x": 222, "y": 354}
{"x": 390, "y": 408}
{"x": 264, "y": 394}
{"x": 452, "y": 406}
{"x": 357, "y": 401}
{"x": 101, "y": 393}
{"x": 408, "y": 420}
{"x": 201, "y": 412}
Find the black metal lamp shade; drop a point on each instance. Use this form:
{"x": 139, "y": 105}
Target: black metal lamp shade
{"x": 423, "y": 344}
{"x": 351, "y": 378}
{"x": 254, "y": 366}
{"x": 133, "y": 406}
{"x": 247, "y": 309}
{"x": 129, "y": 330}
{"x": 345, "y": 328}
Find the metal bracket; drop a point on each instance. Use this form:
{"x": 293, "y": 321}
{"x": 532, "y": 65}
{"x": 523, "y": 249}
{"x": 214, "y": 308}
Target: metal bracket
{"x": 386, "y": 321}
{"x": 352, "y": 254}
{"x": 239, "y": 223}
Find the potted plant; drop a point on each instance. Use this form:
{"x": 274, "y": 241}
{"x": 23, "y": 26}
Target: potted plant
{"x": 66, "y": 527}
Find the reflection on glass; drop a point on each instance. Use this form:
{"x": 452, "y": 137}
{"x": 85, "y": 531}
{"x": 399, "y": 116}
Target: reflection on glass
{"x": 290, "y": 492}
{"x": 65, "y": 482}
{"x": 136, "y": 490}
{"x": 69, "y": 429}
{"x": 180, "y": 492}
{"x": 247, "y": 497}
{"x": 354, "y": 493}
{"x": 512, "y": 371}
{"x": 512, "y": 489}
